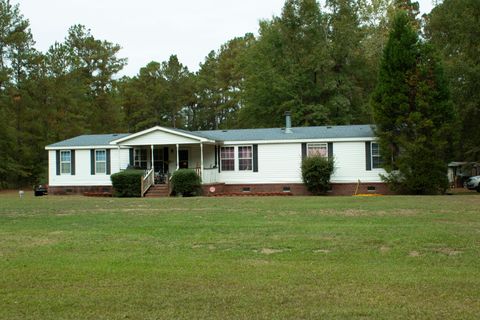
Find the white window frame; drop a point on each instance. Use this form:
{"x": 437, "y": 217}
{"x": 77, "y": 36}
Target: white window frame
{"x": 138, "y": 163}
{"x": 65, "y": 162}
{"x": 100, "y": 161}
{"x": 222, "y": 158}
{"x": 238, "y": 156}
{"x": 323, "y": 144}
{"x": 379, "y": 156}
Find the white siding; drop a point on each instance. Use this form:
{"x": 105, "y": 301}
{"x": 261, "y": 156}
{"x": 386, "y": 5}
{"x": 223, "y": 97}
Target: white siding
{"x": 280, "y": 163}
{"x": 83, "y": 176}
{"x": 277, "y": 163}
{"x": 350, "y": 163}
{"x": 157, "y": 138}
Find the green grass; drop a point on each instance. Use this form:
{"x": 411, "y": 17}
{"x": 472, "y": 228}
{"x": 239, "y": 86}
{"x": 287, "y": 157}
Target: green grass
{"x": 240, "y": 258}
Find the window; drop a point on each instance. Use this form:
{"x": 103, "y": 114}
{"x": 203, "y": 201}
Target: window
{"x": 140, "y": 158}
{"x": 227, "y": 158}
{"x": 317, "y": 149}
{"x": 245, "y": 157}
{"x": 65, "y": 162}
{"x": 376, "y": 157}
{"x": 100, "y": 161}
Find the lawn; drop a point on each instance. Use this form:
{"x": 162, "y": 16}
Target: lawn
{"x": 240, "y": 258}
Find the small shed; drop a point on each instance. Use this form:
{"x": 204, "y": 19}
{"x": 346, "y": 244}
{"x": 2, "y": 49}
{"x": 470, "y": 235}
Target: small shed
{"x": 460, "y": 171}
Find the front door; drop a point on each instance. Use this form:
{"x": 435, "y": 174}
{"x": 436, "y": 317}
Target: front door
{"x": 183, "y": 159}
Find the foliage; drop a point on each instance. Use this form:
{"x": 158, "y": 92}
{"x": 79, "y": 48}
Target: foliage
{"x": 158, "y": 95}
{"x": 312, "y": 63}
{"x": 316, "y": 173}
{"x": 186, "y": 182}
{"x": 453, "y": 27}
{"x": 413, "y": 113}
{"x": 127, "y": 183}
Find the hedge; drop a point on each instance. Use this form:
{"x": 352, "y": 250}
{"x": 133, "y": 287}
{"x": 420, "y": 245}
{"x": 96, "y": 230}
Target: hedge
{"x": 127, "y": 183}
{"x": 316, "y": 172}
{"x": 186, "y": 182}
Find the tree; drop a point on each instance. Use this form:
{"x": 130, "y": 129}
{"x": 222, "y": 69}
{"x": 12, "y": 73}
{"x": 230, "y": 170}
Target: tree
{"x": 17, "y": 59}
{"x": 453, "y": 28}
{"x": 312, "y": 63}
{"x": 413, "y": 113}
{"x": 218, "y": 86}
{"x": 160, "y": 94}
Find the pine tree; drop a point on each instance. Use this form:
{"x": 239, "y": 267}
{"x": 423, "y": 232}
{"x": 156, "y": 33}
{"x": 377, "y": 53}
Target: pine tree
{"x": 413, "y": 113}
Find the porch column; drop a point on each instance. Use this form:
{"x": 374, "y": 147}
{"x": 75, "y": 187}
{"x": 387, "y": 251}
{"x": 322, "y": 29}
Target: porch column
{"x": 178, "y": 163}
{"x": 153, "y": 166}
{"x": 201, "y": 160}
{"x": 119, "y": 163}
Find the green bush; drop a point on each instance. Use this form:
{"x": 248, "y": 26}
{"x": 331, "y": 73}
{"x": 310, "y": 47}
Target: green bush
{"x": 127, "y": 183}
{"x": 186, "y": 182}
{"x": 316, "y": 172}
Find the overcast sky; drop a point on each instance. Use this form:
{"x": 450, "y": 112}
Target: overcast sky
{"x": 153, "y": 30}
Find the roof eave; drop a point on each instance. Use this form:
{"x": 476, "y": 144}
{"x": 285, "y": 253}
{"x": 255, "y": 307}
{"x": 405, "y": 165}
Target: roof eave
{"x": 140, "y": 133}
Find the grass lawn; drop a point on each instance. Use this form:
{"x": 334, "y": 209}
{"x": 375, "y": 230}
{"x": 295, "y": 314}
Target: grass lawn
{"x": 240, "y": 258}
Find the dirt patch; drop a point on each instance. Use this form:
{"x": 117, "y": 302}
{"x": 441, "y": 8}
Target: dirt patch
{"x": 321, "y": 251}
{"x": 29, "y": 241}
{"x": 269, "y": 251}
{"x": 448, "y": 251}
{"x": 384, "y": 249}
{"x": 414, "y": 254}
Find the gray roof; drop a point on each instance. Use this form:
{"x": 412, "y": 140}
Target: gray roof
{"x": 298, "y": 133}
{"x": 89, "y": 140}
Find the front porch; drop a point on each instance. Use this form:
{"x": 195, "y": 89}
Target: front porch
{"x": 161, "y": 151}
{"x": 163, "y": 160}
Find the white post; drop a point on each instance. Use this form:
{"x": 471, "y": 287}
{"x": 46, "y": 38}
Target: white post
{"x": 119, "y": 166}
{"x": 201, "y": 161}
{"x": 178, "y": 161}
{"x": 151, "y": 160}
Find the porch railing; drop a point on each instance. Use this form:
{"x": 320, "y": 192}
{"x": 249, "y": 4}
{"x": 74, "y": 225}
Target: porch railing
{"x": 147, "y": 181}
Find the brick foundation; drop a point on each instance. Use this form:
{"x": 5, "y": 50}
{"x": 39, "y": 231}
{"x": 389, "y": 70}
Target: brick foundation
{"x": 296, "y": 189}
{"x": 72, "y": 190}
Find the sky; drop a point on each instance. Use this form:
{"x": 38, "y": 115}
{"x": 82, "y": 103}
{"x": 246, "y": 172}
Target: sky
{"x": 152, "y": 30}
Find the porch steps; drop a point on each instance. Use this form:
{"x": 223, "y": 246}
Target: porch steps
{"x": 157, "y": 191}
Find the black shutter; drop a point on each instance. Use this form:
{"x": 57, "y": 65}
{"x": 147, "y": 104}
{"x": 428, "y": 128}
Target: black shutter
{"x": 216, "y": 160}
{"x": 109, "y": 163}
{"x": 255, "y": 158}
{"x": 330, "y": 150}
{"x": 304, "y": 150}
{"x": 130, "y": 154}
{"x": 219, "y": 161}
{"x": 92, "y": 161}
{"x": 57, "y": 156}
{"x": 72, "y": 153}
{"x": 368, "y": 155}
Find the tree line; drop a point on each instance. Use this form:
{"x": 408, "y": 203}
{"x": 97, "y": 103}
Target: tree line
{"x": 320, "y": 63}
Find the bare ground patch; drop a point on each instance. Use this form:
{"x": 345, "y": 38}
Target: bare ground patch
{"x": 414, "y": 253}
{"x": 322, "y": 251}
{"x": 448, "y": 251}
{"x": 269, "y": 251}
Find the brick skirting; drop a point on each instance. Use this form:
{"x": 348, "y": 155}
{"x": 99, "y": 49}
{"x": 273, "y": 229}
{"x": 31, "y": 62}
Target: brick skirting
{"x": 296, "y": 189}
{"x": 71, "y": 190}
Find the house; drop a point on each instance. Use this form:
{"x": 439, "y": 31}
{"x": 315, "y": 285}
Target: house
{"x": 228, "y": 161}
